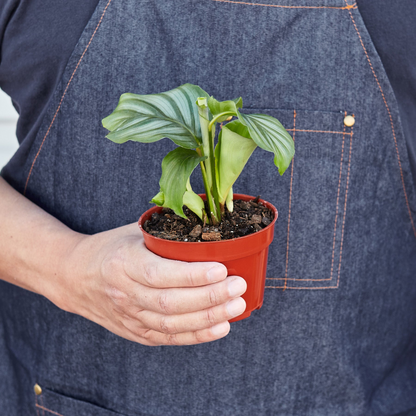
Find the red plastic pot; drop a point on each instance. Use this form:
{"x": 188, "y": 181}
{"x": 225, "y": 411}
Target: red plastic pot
{"x": 243, "y": 256}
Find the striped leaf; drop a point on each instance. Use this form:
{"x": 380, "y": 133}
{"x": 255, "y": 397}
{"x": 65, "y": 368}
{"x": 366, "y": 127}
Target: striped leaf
{"x": 148, "y": 118}
{"x": 270, "y": 135}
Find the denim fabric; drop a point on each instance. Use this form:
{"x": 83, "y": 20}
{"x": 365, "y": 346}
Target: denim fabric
{"x": 336, "y": 333}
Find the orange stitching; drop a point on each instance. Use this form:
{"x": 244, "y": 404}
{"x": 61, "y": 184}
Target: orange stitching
{"x": 48, "y": 410}
{"x": 348, "y": 7}
{"x": 391, "y": 121}
{"x": 321, "y": 131}
{"x": 308, "y": 288}
{"x": 335, "y": 225}
{"x": 290, "y": 204}
{"x": 63, "y": 96}
{"x": 336, "y": 211}
{"x": 345, "y": 212}
{"x": 342, "y": 242}
{"x": 335, "y": 228}
{"x": 333, "y": 247}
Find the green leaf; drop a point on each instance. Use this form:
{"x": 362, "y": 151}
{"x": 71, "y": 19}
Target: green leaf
{"x": 194, "y": 202}
{"x": 202, "y": 103}
{"x": 148, "y": 118}
{"x": 159, "y": 199}
{"x": 222, "y": 110}
{"x": 177, "y": 167}
{"x": 233, "y": 150}
{"x": 270, "y": 135}
{"x": 230, "y": 200}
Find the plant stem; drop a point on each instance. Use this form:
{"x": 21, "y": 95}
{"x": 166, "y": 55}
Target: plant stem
{"x": 212, "y": 207}
{"x": 213, "y": 174}
{"x": 208, "y": 166}
{"x": 206, "y": 142}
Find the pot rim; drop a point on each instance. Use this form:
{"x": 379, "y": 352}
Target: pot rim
{"x": 199, "y": 243}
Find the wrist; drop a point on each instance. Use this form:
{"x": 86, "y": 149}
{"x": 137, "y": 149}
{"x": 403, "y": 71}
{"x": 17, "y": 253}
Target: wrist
{"x": 62, "y": 275}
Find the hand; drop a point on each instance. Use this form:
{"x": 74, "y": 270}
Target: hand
{"x": 112, "y": 279}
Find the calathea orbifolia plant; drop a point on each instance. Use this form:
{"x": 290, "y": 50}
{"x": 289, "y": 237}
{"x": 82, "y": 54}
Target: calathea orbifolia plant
{"x": 188, "y": 116}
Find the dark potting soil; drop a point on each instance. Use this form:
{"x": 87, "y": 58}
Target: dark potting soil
{"x": 247, "y": 218}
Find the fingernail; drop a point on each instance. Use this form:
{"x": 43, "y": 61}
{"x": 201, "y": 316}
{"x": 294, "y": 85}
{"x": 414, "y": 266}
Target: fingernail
{"x": 216, "y": 274}
{"x": 220, "y": 329}
{"x": 236, "y": 307}
{"x": 237, "y": 287}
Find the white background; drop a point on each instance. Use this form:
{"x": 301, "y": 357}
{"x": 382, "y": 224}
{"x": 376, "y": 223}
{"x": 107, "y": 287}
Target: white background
{"x": 8, "y": 119}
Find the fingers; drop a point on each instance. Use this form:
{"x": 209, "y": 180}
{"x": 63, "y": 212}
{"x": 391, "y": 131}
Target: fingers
{"x": 155, "y": 301}
{"x": 168, "y": 324}
{"x": 194, "y": 321}
{"x": 176, "y": 301}
{"x": 151, "y": 337}
{"x": 154, "y": 329}
{"x": 154, "y": 271}
{"x": 191, "y": 338}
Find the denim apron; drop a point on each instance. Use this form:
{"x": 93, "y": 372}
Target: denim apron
{"x": 336, "y": 333}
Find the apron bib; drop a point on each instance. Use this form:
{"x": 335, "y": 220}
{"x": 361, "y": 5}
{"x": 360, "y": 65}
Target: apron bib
{"x": 335, "y": 335}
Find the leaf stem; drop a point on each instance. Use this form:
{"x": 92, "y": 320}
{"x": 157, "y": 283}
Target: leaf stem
{"x": 214, "y": 120}
{"x": 213, "y": 175}
{"x": 213, "y": 211}
{"x": 222, "y": 208}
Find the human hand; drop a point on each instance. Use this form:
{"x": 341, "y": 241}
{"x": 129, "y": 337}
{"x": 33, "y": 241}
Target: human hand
{"x": 111, "y": 278}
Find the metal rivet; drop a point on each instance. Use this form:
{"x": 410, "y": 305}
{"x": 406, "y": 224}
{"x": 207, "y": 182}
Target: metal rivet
{"x": 349, "y": 121}
{"x": 37, "y": 389}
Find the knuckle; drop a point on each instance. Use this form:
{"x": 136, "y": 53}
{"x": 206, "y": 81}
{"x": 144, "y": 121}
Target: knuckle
{"x": 190, "y": 277}
{"x": 117, "y": 297}
{"x": 145, "y": 334}
{"x": 213, "y": 298}
{"x": 210, "y": 317}
{"x": 163, "y": 302}
{"x": 167, "y": 326}
{"x": 172, "y": 339}
{"x": 151, "y": 274}
{"x": 113, "y": 264}
{"x": 138, "y": 315}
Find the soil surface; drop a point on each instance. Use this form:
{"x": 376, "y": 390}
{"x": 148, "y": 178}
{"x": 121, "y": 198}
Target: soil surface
{"x": 247, "y": 218}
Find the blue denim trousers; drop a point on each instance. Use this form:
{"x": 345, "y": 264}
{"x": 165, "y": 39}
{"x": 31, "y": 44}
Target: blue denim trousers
{"x": 336, "y": 333}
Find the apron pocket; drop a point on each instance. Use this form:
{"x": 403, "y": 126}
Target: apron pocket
{"x": 311, "y": 198}
{"x": 52, "y": 403}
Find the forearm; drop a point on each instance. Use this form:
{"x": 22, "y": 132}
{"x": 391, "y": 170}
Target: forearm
{"x": 33, "y": 244}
